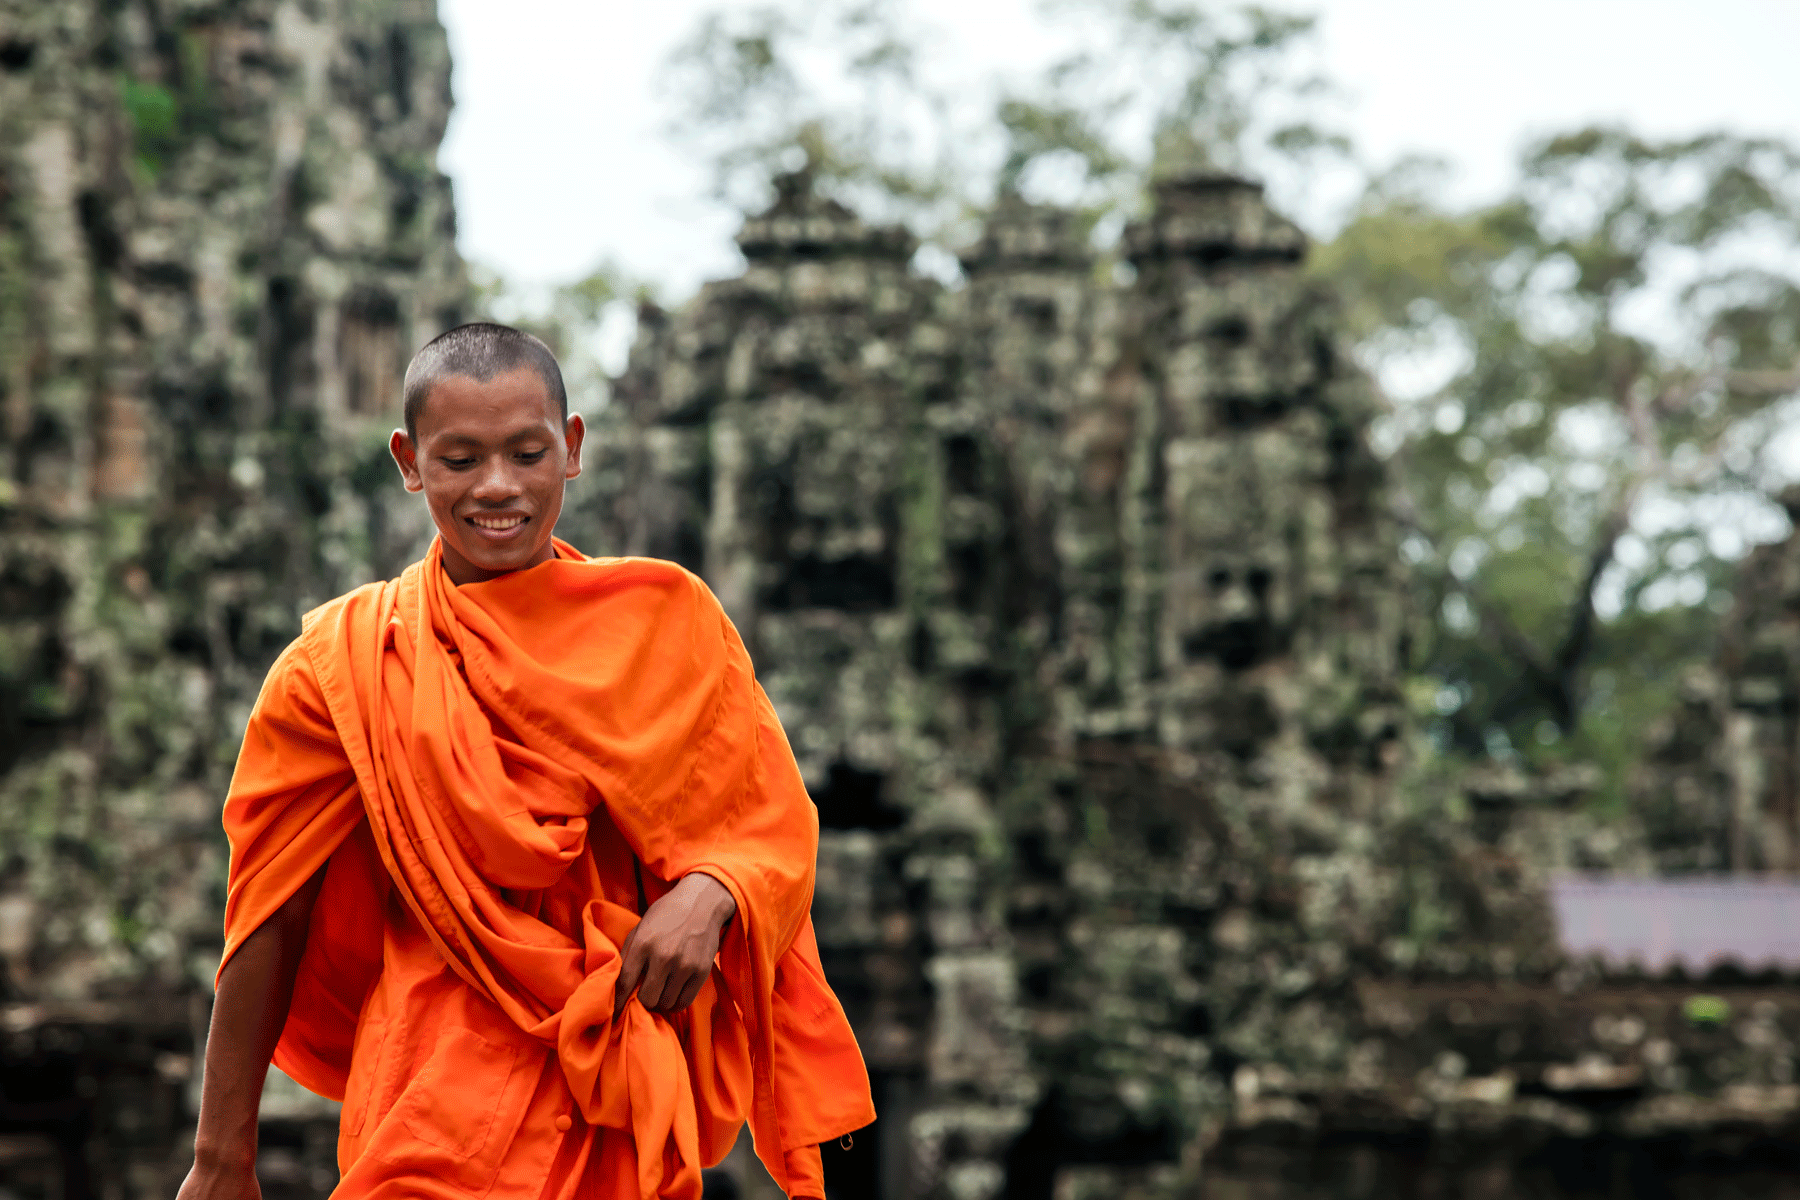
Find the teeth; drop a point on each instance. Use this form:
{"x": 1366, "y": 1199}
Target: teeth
{"x": 497, "y": 522}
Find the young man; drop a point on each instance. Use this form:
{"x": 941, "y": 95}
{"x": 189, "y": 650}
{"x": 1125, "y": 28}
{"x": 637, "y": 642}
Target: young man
{"x": 521, "y": 862}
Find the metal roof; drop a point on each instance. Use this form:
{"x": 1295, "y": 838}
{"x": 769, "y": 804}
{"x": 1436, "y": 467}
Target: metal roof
{"x": 1699, "y": 923}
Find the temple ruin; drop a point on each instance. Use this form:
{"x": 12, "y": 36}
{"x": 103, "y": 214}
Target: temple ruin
{"x": 1075, "y": 586}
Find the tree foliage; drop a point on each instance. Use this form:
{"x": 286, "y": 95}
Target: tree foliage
{"x": 834, "y": 86}
{"x": 572, "y": 319}
{"x": 843, "y": 87}
{"x": 1614, "y": 341}
{"x": 1158, "y": 87}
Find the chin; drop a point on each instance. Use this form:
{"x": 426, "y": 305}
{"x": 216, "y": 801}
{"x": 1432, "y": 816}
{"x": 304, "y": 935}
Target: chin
{"x": 502, "y": 562}
{"x": 490, "y": 561}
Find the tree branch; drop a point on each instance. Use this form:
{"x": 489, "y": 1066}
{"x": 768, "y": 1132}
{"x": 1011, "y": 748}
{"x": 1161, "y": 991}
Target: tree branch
{"x": 1578, "y": 635}
{"x": 1495, "y": 623}
{"x": 1679, "y": 393}
{"x": 1578, "y": 638}
{"x": 1641, "y": 417}
{"x": 1765, "y": 384}
{"x": 1557, "y": 678}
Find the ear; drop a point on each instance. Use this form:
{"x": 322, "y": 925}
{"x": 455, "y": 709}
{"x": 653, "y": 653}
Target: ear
{"x": 406, "y": 457}
{"x": 573, "y": 432}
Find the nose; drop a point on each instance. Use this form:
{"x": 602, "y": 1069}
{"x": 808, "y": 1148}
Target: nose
{"x": 1234, "y": 603}
{"x": 1231, "y": 598}
{"x": 495, "y": 483}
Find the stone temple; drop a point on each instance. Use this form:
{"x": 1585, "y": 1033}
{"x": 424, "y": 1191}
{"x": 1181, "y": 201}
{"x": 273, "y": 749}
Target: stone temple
{"x": 1075, "y": 587}
{"x": 1080, "y": 603}
{"x": 222, "y": 233}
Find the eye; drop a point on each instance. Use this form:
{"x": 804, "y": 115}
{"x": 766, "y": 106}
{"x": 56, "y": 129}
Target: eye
{"x": 532, "y": 456}
{"x": 456, "y": 464}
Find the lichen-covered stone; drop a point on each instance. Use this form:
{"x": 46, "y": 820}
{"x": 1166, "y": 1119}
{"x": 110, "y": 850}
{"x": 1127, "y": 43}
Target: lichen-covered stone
{"x": 222, "y": 233}
{"x": 1719, "y": 786}
{"x": 1080, "y": 606}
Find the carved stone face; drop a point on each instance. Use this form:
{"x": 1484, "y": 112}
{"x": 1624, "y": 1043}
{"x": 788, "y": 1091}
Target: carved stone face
{"x": 1234, "y": 624}
{"x": 1226, "y": 597}
{"x": 1227, "y": 608}
{"x": 820, "y": 498}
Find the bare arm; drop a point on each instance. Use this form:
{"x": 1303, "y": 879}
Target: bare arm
{"x": 249, "y": 1011}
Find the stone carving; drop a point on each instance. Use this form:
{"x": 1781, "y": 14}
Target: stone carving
{"x": 1074, "y": 586}
{"x": 1081, "y": 601}
{"x": 1080, "y": 605}
{"x": 1719, "y": 788}
{"x": 221, "y": 235}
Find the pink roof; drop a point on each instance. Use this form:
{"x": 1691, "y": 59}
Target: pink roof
{"x": 1700, "y": 923}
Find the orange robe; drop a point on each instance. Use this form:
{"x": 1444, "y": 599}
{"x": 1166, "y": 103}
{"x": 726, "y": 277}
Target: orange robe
{"x": 494, "y": 777}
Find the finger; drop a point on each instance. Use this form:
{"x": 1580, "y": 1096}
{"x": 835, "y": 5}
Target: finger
{"x": 691, "y": 991}
{"x": 656, "y": 981}
{"x": 621, "y": 993}
{"x": 631, "y": 973}
{"x": 681, "y": 977}
{"x": 675, "y": 988}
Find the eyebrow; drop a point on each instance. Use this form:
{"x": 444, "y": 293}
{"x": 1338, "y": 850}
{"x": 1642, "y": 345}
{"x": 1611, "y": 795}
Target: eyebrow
{"x": 518, "y": 435}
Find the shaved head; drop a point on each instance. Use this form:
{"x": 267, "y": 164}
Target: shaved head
{"x": 481, "y": 351}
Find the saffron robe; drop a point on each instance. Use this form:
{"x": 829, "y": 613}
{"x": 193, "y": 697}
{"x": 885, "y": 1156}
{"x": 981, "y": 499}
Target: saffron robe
{"x": 494, "y": 778}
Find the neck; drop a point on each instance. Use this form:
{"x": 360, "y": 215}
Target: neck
{"x": 461, "y": 570}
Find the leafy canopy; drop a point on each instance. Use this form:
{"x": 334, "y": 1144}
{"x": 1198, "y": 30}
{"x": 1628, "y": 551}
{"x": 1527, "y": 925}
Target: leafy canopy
{"x": 1601, "y": 363}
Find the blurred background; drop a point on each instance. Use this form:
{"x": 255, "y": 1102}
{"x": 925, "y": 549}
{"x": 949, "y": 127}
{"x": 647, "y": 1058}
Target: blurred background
{"x": 1270, "y": 533}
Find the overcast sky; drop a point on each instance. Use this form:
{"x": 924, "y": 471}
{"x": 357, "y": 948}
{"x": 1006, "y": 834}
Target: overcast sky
{"x": 559, "y": 161}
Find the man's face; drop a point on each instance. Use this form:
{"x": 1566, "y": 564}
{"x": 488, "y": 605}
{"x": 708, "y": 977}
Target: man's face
{"x": 491, "y": 459}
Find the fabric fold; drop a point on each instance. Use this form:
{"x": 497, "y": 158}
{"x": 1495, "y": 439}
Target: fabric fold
{"x": 483, "y": 727}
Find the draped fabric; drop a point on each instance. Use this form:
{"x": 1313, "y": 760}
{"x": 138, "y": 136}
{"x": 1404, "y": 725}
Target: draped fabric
{"x": 480, "y": 748}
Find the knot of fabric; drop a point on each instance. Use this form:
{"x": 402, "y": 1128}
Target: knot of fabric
{"x": 619, "y": 1069}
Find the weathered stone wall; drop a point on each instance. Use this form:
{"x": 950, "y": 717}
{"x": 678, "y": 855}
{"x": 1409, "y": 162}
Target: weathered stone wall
{"x": 222, "y": 233}
{"x": 1719, "y": 787}
{"x": 1080, "y": 601}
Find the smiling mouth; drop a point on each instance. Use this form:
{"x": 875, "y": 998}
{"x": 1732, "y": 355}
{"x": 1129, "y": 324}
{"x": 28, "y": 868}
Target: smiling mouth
{"x": 497, "y": 524}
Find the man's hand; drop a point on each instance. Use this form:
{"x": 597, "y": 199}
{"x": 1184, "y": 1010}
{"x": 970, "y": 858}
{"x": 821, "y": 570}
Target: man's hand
{"x": 221, "y": 1181}
{"x": 669, "y": 956}
{"x": 256, "y": 989}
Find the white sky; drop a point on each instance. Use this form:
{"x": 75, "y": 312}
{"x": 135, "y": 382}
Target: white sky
{"x": 558, "y": 159}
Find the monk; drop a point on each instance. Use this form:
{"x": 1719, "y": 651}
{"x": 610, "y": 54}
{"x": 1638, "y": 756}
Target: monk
{"x": 521, "y": 862}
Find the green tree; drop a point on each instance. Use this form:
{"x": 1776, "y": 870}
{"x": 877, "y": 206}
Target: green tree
{"x": 1158, "y": 87}
{"x": 861, "y": 117}
{"x": 1616, "y": 342}
{"x": 840, "y": 87}
{"x": 569, "y": 318}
